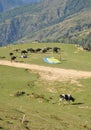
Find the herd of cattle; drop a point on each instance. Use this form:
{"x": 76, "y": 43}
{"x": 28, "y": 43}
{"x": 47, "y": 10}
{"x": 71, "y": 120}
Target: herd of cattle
{"x": 32, "y": 50}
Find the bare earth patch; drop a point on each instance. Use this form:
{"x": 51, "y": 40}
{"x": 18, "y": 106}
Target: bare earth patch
{"x": 50, "y": 73}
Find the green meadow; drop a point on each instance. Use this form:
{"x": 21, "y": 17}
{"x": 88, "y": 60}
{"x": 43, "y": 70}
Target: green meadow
{"x": 71, "y": 56}
{"x": 28, "y": 102}
{"x": 39, "y": 105}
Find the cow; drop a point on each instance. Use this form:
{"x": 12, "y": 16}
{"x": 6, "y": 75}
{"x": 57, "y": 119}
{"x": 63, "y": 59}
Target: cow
{"x": 10, "y": 53}
{"x": 13, "y": 58}
{"x": 31, "y": 50}
{"x": 38, "y": 50}
{"x": 23, "y": 52}
{"x": 66, "y": 97}
{"x": 56, "y": 49}
{"x": 49, "y": 48}
{"x": 44, "y": 50}
{"x": 23, "y": 56}
{"x": 87, "y": 48}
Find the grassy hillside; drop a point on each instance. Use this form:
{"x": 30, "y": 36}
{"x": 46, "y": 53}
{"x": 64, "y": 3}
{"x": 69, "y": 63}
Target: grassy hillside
{"x": 72, "y": 57}
{"x": 28, "y": 102}
{"x": 38, "y": 108}
{"x": 62, "y": 21}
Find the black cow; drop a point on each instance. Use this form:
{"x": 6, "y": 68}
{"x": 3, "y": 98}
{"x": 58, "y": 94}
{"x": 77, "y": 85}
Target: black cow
{"x": 13, "y": 58}
{"x": 23, "y": 52}
{"x": 47, "y": 48}
{"x": 10, "y": 53}
{"x": 31, "y": 50}
{"x": 44, "y": 50}
{"x": 66, "y": 97}
{"x": 56, "y": 49}
{"x": 38, "y": 50}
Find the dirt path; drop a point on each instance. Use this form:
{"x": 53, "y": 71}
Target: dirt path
{"x": 50, "y": 73}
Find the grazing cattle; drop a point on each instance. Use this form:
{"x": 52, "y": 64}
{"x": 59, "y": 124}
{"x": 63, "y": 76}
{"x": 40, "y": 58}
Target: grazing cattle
{"x": 38, "y": 50}
{"x": 66, "y": 97}
{"x": 56, "y": 49}
{"x": 44, "y": 50}
{"x": 10, "y": 53}
{"x": 13, "y": 58}
{"x": 17, "y": 50}
{"x": 31, "y": 50}
{"x": 23, "y": 52}
{"x": 23, "y": 56}
{"x": 86, "y": 48}
{"x": 48, "y": 48}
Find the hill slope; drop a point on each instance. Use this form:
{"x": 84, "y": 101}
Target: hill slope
{"x": 9, "y": 4}
{"x": 60, "y": 21}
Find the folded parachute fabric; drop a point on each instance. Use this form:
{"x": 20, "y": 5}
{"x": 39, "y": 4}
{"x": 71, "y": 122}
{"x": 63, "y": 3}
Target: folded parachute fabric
{"x": 51, "y": 60}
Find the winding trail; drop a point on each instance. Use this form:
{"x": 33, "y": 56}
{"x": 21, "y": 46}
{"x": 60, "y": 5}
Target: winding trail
{"x": 50, "y": 73}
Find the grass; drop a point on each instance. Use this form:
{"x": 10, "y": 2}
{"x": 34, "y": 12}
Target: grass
{"x": 71, "y": 56}
{"x": 38, "y": 108}
{"x": 39, "y": 105}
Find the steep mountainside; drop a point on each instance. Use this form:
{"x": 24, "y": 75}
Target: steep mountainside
{"x": 9, "y": 4}
{"x": 61, "y": 21}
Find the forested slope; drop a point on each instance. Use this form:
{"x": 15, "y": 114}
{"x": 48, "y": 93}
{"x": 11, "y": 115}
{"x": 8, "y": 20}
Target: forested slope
{"x": 61, "y": 21}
